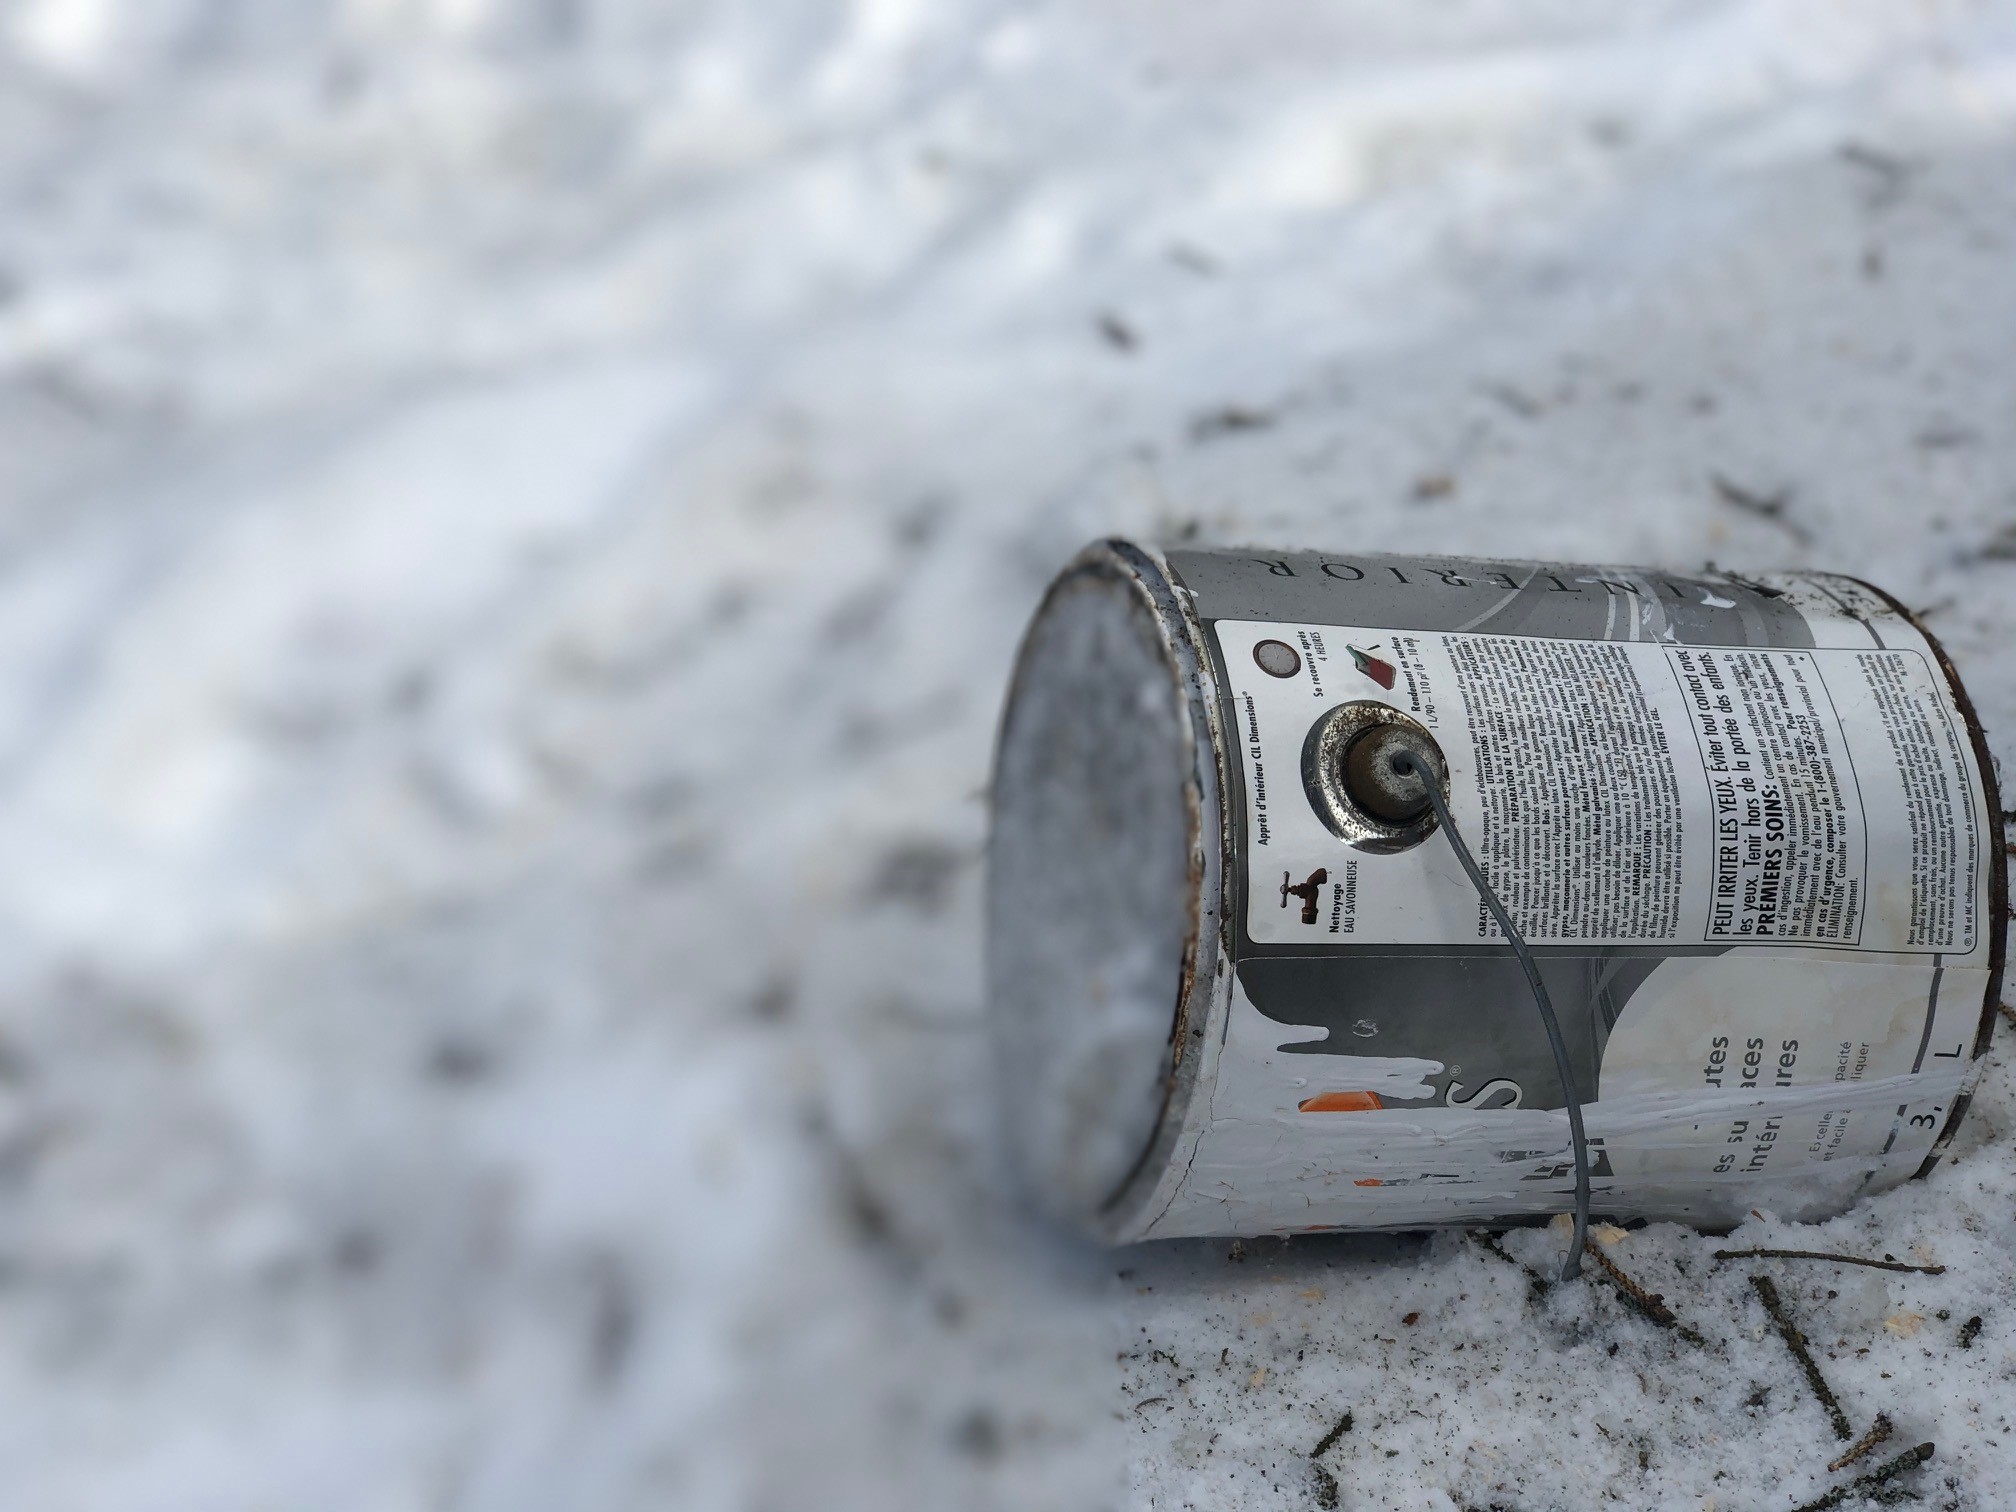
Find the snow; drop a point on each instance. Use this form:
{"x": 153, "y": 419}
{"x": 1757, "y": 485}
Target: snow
{"x": 515, "y": 517}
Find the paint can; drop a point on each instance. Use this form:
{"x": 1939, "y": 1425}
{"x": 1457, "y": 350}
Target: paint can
{"x": 1748, "y": 825}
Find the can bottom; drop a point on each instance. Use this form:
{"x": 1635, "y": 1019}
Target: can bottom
{"x": 1091, "y": 899}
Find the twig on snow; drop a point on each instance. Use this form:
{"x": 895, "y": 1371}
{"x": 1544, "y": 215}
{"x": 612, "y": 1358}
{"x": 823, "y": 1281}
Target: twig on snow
{"x": 1796, "y": 1342}
{"x": 1792, "y": 1254}
{"x": 1651, "y": 1304}
{"x": 1888, "y": 1470}
{"x": 1764, "y": 506}
{"x": 1489, "y": 1241}
{"x": 1878, "y": 1432}
{"x": 1343, "y": 1427}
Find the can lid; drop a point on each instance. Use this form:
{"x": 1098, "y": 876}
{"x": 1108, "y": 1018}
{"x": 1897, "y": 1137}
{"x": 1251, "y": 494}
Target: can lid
{"x": 1092, "y": 899}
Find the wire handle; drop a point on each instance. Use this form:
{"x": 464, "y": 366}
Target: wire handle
{"x": 1405, "y": 762}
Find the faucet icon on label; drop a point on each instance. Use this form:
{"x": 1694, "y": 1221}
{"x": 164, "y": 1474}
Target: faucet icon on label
{"x": 1308, "y": 891}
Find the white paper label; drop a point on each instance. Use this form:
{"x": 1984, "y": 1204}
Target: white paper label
{"x": 1620, "y": 792}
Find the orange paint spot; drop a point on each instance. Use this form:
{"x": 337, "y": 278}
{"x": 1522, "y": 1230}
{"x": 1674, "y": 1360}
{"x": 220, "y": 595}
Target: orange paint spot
{"x": 1368, "y": 1181}
{"x": 1341, "y": 1102}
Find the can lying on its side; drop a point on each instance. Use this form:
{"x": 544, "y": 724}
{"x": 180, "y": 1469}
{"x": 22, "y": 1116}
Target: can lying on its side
{"x": 1747, "y": 824}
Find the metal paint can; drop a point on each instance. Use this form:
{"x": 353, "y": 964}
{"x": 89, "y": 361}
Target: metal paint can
{"x": 1747, "y": 823}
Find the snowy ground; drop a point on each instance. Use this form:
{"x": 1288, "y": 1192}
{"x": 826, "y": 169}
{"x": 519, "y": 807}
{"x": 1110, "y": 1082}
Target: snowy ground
{"x": 514, "y": 515}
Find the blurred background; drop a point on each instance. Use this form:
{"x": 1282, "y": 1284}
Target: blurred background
{"x": 514, "y": 518}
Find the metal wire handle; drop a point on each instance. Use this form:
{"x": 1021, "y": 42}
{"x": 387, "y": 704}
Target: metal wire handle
{"x": 1405, "y": 762}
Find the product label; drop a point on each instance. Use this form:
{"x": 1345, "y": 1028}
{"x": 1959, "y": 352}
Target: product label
{"x": 1618, "y": 792}
{"x": 1739, "y": 821}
